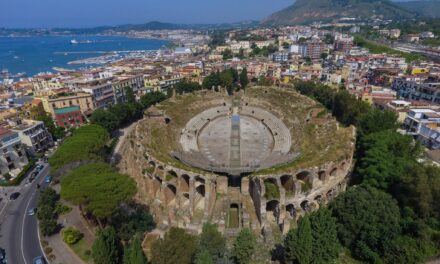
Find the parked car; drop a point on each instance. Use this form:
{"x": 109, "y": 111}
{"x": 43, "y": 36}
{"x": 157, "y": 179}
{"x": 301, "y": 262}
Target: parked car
{"x": 39, "y": 260}
{"x": 47, "y": 179}
{"x": 2, "y": 256}
{"x": 39, "y": 167}
{"x": 14, "y": 196}
{"x": 32, "y": 211}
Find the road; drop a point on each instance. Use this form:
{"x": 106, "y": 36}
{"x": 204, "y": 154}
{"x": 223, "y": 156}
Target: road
{"x": 18, "y": 230}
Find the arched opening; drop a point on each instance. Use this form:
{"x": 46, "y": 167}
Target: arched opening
{"x": 290, "y": 209}
{"x": 167, "y": 120}
{"x": 304, "y": 178}
{"x": 185, "y": 200}
{"x": 233, "y": 216}
{"x": 288, "y": 184}
{"x": 157, "y": 182}
{"x": 272, "y": 190}
{"x": 171, "y": 176}
{"x": 334, "y": 172}
{"x": 201, "y": 190}
{"x": 318, "y": 198}
{"x": 160, "y": 167}
{"x": 170, "y": 194}
{"x": 329, "y": 194}
{"x": 199, "y": 180}
{"x": 152, "y": 164}
{"x": 322, "y": 175}
{"x": 274, "y": 208}
{"x": 305, "y": 205}
{"x": 184, "y": 183}
{"x": 199, "y": 199}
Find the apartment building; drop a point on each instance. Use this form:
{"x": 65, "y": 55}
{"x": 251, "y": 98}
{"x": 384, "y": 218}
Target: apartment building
{"x": 417, "y": 91}
{"x": 102, "y": 95}
{"x": 12, "y": 153}
{"x": 83, "y": 100}
{"x": 34, "y": 135}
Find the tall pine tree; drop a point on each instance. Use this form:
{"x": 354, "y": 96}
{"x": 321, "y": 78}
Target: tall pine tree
{"x": 325, "y": 243}
{"x": 298, "y": 243}
{"x": 135, "y": 254}
{"x": 244, "y": 246}
{"x": 105, "y": 249}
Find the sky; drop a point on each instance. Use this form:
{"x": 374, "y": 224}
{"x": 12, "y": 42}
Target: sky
{"x": 89, "y": 13}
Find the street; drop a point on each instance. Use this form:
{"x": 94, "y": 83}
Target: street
{"x": 18, "y": 230}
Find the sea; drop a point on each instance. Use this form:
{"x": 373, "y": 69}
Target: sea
{"x": 35, "y": 54}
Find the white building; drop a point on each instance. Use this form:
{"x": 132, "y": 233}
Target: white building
{"x": 34, "y": 135}
{"x": 12, "y": 154}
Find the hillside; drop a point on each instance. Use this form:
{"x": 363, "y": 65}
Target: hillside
{"x": 430, "y": 8}
{"x": 306, "y": 11}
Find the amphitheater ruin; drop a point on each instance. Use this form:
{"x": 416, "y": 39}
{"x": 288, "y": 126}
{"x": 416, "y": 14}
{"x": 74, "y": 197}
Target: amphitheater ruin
{"x": 258, "y": 159}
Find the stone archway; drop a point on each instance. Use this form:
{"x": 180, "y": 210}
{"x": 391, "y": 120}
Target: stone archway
{"x": 305, "y": 205}
{"x": 322, "y": 175}
{"x": 288, "y": 184}
{"x": 170, "y": 194}
{"x": 184, "y": 183}
{"x": 334, "y": 172}
{"x": 273, "y": 209}
{"x": 199, "y": 198}
{"x": 304, "y": 177}
{"x": 234, "y": 216}
{"x": 290, "y": 209}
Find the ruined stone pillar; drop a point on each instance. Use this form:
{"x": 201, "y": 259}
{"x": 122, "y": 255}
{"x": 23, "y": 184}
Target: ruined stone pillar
{"x": 222, "y": 185}
{"x": 245, "y": 186}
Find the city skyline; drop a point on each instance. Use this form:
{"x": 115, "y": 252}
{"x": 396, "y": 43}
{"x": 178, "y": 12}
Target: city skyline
{"x": 50, "y": 13}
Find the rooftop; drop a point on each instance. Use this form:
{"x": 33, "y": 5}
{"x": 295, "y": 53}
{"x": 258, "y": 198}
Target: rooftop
{"x": 66, "y": 110}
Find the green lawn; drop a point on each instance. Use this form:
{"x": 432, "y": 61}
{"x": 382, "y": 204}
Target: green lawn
{"x": 82, "y": 249}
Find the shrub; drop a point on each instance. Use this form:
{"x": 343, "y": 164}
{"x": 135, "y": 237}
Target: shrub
{"x": 71, "y": 235}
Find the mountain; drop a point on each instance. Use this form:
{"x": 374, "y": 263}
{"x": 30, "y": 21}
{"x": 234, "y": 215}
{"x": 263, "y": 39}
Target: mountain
{"x": 430, "y": 8}
{"x": 306, "y": 11}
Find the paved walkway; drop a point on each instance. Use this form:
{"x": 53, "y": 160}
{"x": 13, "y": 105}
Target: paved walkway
{"x": 63, "y": 253}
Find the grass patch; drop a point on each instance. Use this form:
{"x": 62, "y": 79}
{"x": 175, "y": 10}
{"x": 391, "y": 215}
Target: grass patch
{"x": 83, "y": 250}
{"x": 272, "y": 191}
{"x": 233, "y": 218}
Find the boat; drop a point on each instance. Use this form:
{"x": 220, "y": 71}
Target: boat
{"x": 74, "y": 41}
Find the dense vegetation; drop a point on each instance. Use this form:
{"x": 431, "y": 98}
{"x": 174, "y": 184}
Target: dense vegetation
{"x": 86, "y": 144}
{"x": 47, "y": 214}
{"x": 121, "y": 115}
{"x": 97, "y": 189}
{"x": 391, "y": 216}
{"x": 229, "y": 78}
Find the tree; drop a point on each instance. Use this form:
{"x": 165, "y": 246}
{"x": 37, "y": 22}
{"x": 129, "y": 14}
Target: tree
{"x": 376, "y": 121}
{"x": 384, "y": 157}
{"x": 244, "y": 246}
{"x": 227, "y": 54}
{"x": 325, "y": 243}
{"x": 212, "y": 241}
{"x": 129, "y": 95}
{"x": 298, "y": 243}
{"x": 368, "y": 219}
{"x": 244, "y": 81}
{"x": 90, "y": 138}
{"x": 132, "y": 220}
{"x": 56, "y": 132}
{"x": 177, "y": 247}
{"x": 97, "y": 189}
{"x": 106, "y": 248}
{"x": 135, "y": 254}
{"x": 204, "y": 258}
{"x": 48, "y": 226}
{"x": 152, "y": 98}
